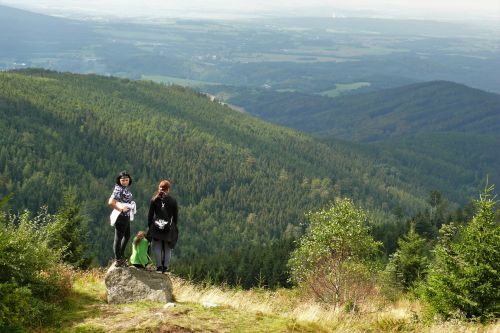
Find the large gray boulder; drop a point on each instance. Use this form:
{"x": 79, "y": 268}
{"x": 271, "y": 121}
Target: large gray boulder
{"x": 130, "y": 284}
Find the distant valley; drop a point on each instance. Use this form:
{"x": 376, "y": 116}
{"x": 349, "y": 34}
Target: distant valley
{"x": 305, "y": 54}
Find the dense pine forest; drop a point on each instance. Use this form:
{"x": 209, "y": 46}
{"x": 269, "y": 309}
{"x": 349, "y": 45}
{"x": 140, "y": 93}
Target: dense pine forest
{"x": 242, "y": 183}
{"x": 260, "y": 205}
{"x": 436, "y": 106}
{"x": 439, "y": 134}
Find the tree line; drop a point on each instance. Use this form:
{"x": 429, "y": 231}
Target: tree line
{"x": 238, "y": 180}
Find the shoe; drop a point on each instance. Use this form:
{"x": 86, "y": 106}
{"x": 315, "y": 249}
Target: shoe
{"x": 164, "y": 270}
{"x": 121, "y": 263}
{"x": 159, "y": 269}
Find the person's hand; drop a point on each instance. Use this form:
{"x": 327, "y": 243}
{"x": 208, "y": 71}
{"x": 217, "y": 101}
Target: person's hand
{"x": 125, "y": 209}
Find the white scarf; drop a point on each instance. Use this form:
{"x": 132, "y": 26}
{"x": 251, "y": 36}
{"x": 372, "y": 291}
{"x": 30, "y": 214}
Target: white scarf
{"x": 120, "y": 205}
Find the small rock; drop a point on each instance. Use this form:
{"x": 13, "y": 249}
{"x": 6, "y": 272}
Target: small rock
{"x": 169, "y": 305}
{"x": 209, "y": 305}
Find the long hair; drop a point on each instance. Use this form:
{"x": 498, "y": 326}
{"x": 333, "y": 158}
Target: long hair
{"x": 163, "y": 189}
{"x": 139, "y": 237}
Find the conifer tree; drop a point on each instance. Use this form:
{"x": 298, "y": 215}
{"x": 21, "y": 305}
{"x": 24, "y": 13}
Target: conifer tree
{"x": 408, "y": 264}
{"x": 68, "y": 232}
{"x": 464, "y": 277}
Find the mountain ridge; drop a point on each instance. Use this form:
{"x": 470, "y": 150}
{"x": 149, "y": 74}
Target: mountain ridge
{"x": 449, "y": 141}
{"x": 237, "y": 178}
{"x": 430, "y": 106}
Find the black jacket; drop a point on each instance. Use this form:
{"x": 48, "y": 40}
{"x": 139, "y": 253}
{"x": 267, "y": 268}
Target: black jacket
{"x": 162, "y": 220}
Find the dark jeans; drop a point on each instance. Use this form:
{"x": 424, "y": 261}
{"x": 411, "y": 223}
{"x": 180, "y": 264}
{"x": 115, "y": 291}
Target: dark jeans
{"x": 122, "y": 235}
{"x": 162, "y": 253}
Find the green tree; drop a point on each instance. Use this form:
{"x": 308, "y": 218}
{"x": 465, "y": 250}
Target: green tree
{"x": 332, "y": 258}
{"x": 409, "y": 263}
{"x": 32, "y": 281}
{"x": 68, "y": 232}
{"x": 464, "y": 277}
{"x": 225, "y": 166}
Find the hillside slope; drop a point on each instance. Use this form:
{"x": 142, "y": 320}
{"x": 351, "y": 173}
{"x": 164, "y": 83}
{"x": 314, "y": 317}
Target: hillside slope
{"x": 217, "y": 309}
{"x": 439, "y": 134}
{"x": 239, "y": 180}
{"x": 437, "y": 106}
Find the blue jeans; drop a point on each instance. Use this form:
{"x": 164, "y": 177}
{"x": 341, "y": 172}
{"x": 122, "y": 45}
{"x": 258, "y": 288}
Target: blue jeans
{"x": 161, "y": 252}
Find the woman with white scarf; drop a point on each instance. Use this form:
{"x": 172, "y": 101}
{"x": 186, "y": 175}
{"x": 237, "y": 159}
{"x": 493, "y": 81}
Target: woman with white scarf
{"x": 124, "y": 208}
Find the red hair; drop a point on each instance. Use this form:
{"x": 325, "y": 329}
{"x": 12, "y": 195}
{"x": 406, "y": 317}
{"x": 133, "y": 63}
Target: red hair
{"x": 164, "y": 187}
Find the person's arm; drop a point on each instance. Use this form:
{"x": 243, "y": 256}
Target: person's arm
{"x": 151, "y": 213}
{"x": 175, "y": 212}
{"x": 114, "y": 204}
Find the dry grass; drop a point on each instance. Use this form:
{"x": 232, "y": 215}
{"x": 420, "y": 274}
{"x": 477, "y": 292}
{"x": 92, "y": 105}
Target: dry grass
{"x": 373, "y": 315}
{"x": 461, "y": 327}
{"x": 90, "y": 283}
{"x": 222, "y": 309}
{"x": 250, "y": 300}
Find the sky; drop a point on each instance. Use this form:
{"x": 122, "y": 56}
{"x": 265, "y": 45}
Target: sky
{"x": 234, "y": 9}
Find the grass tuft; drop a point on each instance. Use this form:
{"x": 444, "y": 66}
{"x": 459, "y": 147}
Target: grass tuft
{"x": 204, "y": 308}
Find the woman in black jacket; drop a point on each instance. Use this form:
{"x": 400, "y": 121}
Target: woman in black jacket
{"x": 162, "y": 222}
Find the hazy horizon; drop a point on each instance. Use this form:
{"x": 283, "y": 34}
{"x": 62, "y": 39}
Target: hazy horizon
{"x": 218, "y": 9}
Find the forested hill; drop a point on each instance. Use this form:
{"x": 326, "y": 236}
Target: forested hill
{"x": 441, "y": 135}
{"x": 437, "y": 106}
{"x": 239, "y": 180}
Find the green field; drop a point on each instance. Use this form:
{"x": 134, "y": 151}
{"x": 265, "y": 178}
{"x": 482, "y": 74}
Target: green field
{"x": 283, "y": 57}
{"x": 341, "y": 88}
{"x": 176, "y": 80}
{"x": 346, "y": 52}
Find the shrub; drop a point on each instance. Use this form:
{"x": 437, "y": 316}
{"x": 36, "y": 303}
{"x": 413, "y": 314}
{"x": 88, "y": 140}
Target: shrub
{"x": 24, "y": 250}
{"x": 32, "y": 280}
{"x": 333, "y": 257}
{"x": 15, "y": 303}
